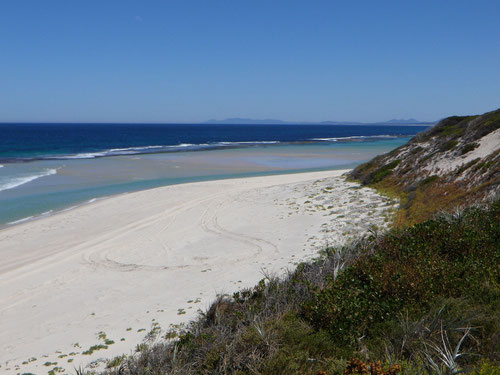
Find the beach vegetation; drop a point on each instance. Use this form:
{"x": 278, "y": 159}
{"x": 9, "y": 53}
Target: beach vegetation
{"x": 116, "y": 361}
{"x": 421, "y": 299}
{"x": 467, "y": 165}
{"x": 468, "y": 148}
{"x": 447, "y": 146}
{"x": 55, "y": 370}
{"x": 93, "y": 348}
{"x": 429, "y": 180}
{"x": 408, "y": 181}
{"x": 487, "y": 368}
{"x": 384, "y": 171}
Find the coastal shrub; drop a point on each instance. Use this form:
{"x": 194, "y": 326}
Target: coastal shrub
{"x": 382, "y": 172}
{"x": 429, "y": 180}
{"x": 411, "y": 270}
{"x": 467, "y": 166}
{"x": 417, "y": 150}
{"x": 449, "y": 145}
{"x": 487, "y": 368}
{"x": 491, "y": 124}
{"x": 468, "y": 148}
{"x": 451, "y": 126}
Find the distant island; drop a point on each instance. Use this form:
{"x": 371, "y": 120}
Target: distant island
{"x": 249, "y": 121}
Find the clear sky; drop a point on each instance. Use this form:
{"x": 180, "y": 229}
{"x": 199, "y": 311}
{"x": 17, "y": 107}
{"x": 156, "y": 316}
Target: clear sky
{"x": 190, "y": 61}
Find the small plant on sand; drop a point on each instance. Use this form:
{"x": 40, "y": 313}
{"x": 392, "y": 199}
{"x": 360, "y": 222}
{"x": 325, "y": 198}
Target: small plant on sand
{"x": 141, "y": 347}
{"x": 93, "y": 348}
{"x": 55, "y": 370}
{"x": 116, "y": 361}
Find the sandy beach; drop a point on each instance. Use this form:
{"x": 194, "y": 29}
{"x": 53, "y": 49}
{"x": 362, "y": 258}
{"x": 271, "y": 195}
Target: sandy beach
{"x": 123, "y": 265}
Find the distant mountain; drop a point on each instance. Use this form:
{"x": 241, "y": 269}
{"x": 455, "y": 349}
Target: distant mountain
{"x": 249, "y": 121}
{"x": 402, "y": 121}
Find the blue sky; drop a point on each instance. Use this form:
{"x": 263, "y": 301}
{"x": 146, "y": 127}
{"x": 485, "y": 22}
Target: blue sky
{"x": 190, "y": 61}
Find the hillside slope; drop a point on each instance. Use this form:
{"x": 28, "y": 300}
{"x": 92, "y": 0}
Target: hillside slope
{"x": 455, "y": 163}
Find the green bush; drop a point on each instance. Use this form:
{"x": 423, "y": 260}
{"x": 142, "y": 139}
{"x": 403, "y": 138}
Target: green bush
{"x": 429, "y": 180}
{"x": 449, "y": 145}
{"x": 468, "y": 148}
{"x": 487, "y": 368}
{"x": 411, "y": 270}
{"x": 384, "y": 171}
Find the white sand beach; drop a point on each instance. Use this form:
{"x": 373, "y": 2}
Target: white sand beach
{"x": 127, "y": 263}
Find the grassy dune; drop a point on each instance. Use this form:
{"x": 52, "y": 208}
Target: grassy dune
{"x": 453, "y": 164}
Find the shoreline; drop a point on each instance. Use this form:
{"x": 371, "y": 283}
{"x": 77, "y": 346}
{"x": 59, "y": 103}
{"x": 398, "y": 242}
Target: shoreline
{"x": 154, "y": 257}
{"x": 199, "y": 179}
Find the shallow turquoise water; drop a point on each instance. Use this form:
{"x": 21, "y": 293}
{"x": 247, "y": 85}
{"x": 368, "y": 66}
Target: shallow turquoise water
{"x": 65, "y": 183}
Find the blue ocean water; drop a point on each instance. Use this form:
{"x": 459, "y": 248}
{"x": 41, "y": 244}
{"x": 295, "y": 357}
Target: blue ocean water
{"x": 45, "y": 168}
{"x": 43, "y": 141}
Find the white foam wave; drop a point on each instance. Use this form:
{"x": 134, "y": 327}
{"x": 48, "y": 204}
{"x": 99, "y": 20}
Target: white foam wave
{"x": 21, "y": 180}
{"x": 248, "y": 143}
{"x": 88, "y": 155}
{"x": 335, "y": 139}
{"x": 47, "y": 213}
{"x": 68, "y": 209}
{"x": 121, "y": 151}
{"x": 155, "y": 148}
{"x": 20, "y": 220}
{"x": 134, "y": 148}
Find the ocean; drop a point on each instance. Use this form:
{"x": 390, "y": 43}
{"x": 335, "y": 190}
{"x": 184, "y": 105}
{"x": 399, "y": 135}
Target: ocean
{"x": 46, "y": 168}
